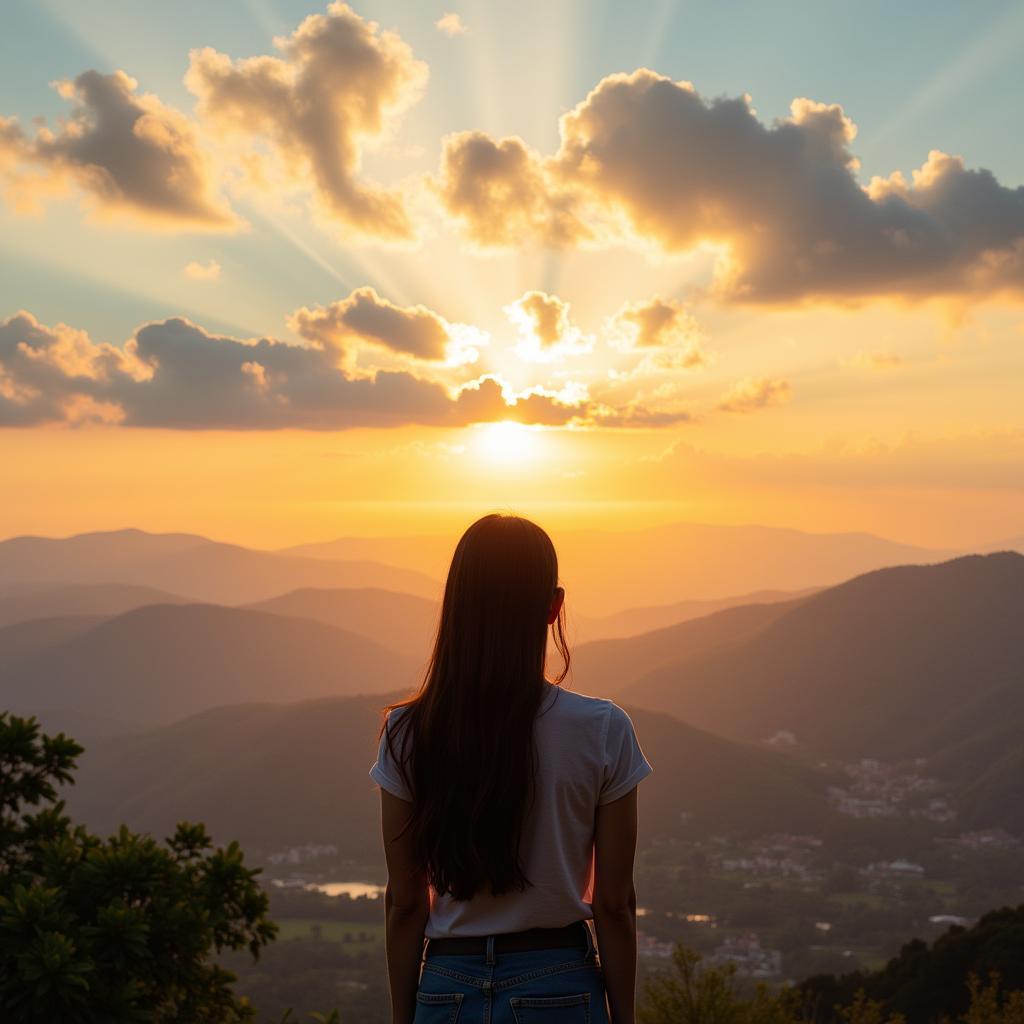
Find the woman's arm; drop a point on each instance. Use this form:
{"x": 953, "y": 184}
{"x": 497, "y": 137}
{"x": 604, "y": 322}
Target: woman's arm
{"x": 614, "y": 903}
{"x": 407, "y": 906}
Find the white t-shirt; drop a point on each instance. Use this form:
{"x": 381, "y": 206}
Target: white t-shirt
{"x": 587, "y": 754}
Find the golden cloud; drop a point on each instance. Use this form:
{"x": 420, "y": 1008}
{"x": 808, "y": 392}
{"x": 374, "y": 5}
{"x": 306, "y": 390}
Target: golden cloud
{"x": 754, "y": 393}
{"x": 172, "y": 374}
{"x": 339, "y": 84}
{"x": 546, "y": 332}
{"x": 133, "y": 157}
{"x": 365, "y": 318}
{"x": 663, "y": 330}
{"x": 451, "y": 24}
{"x": 503, "y": 194}
{"x": 649, "y": 157}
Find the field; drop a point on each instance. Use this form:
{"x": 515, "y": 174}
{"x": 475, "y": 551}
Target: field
{"x": 355, "y": 935}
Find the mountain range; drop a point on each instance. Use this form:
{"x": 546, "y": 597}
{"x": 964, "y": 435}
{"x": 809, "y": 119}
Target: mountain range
{"x": 191, "y": 567}
{"x": 897, "y": 663}
{"x": 900, "y": 663}
{"x": 271, "y": 775}
{"x": 607, "y": 571}
{"x": 159, "y": 663}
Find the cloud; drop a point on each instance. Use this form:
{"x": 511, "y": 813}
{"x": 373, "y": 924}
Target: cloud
{"x": 754, "y": 393}
{"x": 451, "y": 24}
{"x": 133, "y": 157}
{"x": 488, "y": 399}
{"x": 173, "y": 374}
{"x": 339, "y": 84}
{"x": 52, "y": 374}
{"x": 365, "y": 318}
{"x": 12, "y": 140}
{"x": 638, "y": 416}
{"x": 546, "y": 333}
{"x": 502, "y": 194}
{"x": 209, "y": 271}
{"x": 878, "y": 361}
{"x": 647, "y": 157}
{"x": 662, "y": 329}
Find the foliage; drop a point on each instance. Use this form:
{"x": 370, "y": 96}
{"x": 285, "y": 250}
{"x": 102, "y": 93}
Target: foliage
{"x": 925, "y": 983}
{"x": 116, "y": 930}
{"x": 692, "y": 993}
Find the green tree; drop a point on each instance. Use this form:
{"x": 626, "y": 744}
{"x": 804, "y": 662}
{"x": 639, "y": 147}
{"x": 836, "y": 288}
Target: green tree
{"x": 116, "y": 930}
{"x": 691, "y": 994}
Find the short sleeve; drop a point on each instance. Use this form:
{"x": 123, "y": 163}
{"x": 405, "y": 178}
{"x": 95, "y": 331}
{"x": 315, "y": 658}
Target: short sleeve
{"x": 624, "y": 761}
{"x": 385, "y": 770}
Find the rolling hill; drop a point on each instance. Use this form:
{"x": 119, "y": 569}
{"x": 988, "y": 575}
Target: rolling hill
{"x": 190, "y": 566}
{"x": 96, "y": 599}
{"x": 401, "y": 622}
{"x": 22, "y": 640}
{"x": 634, "y": 621}
{"x": 273, "y": 775}
{"x": 98, "y": 557}
{"x": 611, "y": 666}
{"x": 161, "y": 662}
{"x": 903, "y": 662}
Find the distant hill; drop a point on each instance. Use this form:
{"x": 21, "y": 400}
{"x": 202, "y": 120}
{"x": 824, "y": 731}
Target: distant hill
{"x": 989, "y": 767}
{"x": 53, "y": 600}
{"x": 401, "y": 622}
{"x": 897, "y": 663}
{"x": 609, "y": 667}
{"x": 191, "y": 566}
{"x": 272, "y": 775}
{"x": 23, "y": 587}
{"x": 159, "y": 663}
{"x": 92, "y": 557}
{"x": 634, "y": 621}
{"x": 608, "y": 571}
{"x": 428, "y": 553}
{"x": 22, "y": 640}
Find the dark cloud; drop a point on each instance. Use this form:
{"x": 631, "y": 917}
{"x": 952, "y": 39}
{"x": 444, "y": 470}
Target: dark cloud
{"x": 337, "y": 84}
{"x": 782, "y": 200}
{"x": 128, "y": 152}
{"x": 364, "y": 317}
{"x": 173, "y": 374}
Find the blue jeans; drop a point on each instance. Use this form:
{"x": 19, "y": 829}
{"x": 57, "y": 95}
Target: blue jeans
{"x": 541, "y": 986}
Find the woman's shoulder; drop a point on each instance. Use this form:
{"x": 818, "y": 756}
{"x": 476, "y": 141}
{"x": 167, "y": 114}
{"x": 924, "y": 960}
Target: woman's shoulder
{"x": 583, "y": 708}
{"x": 393, "y": 719}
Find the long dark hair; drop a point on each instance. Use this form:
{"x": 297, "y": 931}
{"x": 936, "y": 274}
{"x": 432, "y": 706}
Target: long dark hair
{"x": 464, "y": 742}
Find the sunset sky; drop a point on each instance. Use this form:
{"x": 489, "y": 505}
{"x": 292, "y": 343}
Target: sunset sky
{"x": 277, "y": 271}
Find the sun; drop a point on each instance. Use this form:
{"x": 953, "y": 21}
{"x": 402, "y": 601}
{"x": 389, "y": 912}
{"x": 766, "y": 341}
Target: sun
{"x": 506, "y": 442}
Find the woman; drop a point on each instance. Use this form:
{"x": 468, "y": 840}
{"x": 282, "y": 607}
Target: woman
{"x": 508, "y": 810}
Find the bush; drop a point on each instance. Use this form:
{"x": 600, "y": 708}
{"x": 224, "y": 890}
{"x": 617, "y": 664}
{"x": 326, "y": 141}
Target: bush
{"x": 116, "y": 930}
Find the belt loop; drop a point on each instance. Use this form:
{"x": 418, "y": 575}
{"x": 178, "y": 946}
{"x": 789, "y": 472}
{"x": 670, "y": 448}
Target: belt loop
{"x": 591, "y": 949}
{"x": 490, "y": 951}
